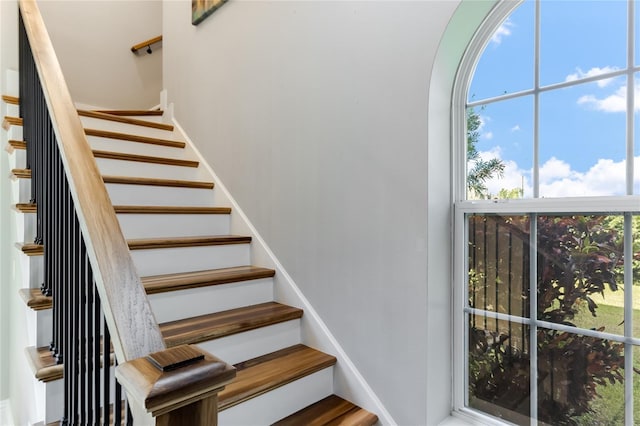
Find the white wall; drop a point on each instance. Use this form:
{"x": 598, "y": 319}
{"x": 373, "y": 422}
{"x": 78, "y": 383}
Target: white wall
{"x": 93, "y": 39}
{"x": 315, "y": 116}
{"x": 8, "y": 60}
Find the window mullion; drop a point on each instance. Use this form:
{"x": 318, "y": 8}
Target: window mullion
{"x": 628, "y": 317}
{"x": 533, "y": 315}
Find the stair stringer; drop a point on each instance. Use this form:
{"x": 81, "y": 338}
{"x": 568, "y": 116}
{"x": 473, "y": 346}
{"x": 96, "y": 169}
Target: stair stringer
{"x": 348, "y": 382}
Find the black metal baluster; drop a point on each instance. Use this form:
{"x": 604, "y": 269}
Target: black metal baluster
{"x": 106, "y": 372}
{"x": 97, "y": 321}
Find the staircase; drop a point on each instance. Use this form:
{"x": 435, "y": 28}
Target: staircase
{"x": 198, "y": 275}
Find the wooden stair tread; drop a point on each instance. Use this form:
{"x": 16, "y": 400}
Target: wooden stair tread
{"x": 171, "y": 210}
{"x": 43, "y": 364}
{"x": 11, "y": 121}
{"x": 331, "y": 410}
{"x": 125, "y": 119}
{"x": 35, "y": 300}
{"x": 21, "y": 173}
{"x": 13, "y": 145}
{"x": 262, "y": 374}
{"x": 31, "y": 249}
{"x": 144, "y": 158}
{"x": 182, "y": 281}
{"x": 211, "y": 240}
{"x": 130, "y": 112}
{"x": 134, "y": 138}
{"x": 220, "y": 324}
{"x": 26, "y": 207}
{"x": 14, "y": 100}
{"x": 128, "y": 180}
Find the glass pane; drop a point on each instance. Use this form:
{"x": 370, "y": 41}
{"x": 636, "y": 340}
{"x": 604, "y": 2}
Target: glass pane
{"x": 580, "y": 379}
{"x": 636, "y": 143}
{"x": 500, "y": 149}
{"x": 582, "y": 146}
{"x": 581, "y": 38}
{"x": 506, "y": 64}
{"x": 498, "y": 368}
{"x": 579, "y": 262}
{"x": 499, "y": 264}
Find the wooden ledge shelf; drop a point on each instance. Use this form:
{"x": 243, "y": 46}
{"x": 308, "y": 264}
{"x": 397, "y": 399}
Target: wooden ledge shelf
{"x": 124, "y": 119}
{"x": 11, "y": 121}
{"x": 31, "y": 249}
{"x": 13, "y": 100}
{"x": 35, "y": 300}
{"x": 134, "y": 138}
{"x": 20, "y": 174}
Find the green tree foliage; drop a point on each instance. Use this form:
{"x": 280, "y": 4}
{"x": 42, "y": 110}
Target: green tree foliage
{"x": 577, "y": 257}
{"x": 478, "y": 169}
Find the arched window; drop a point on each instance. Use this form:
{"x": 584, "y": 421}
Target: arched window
{"x": 547, "y": 215}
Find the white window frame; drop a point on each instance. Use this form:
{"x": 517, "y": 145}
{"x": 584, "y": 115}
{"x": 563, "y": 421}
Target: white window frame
{"x": 577, "y": 205}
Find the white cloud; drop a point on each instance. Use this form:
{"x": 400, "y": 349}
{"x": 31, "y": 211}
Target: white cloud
{"x": 515, "y": 128}
{"x": 558, "y": 179}
{"x": 487, "y": 135}
{"x": 595, "y": 71}
{"x": 503, "y": 30}
{"x": 615, "y": 102}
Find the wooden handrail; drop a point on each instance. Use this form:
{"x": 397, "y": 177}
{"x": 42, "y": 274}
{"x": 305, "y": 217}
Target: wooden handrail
{"x": 134, "y": 330}
{"x": 146, "y": 43}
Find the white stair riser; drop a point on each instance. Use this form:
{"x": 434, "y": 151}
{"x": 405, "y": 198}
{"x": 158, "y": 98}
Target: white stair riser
{"x": 15, "y": 133}
{"x": 192, "y": 302}
{"x": 250, "y": 344}
{"x": 145, "y": 195}
{"x": 18, "y": 159}
{"x": 40, "y": 323}
{"x": 173, "y": 225}
{"x": 133, "y": 129}
{"x": 53, "y": 401}
{"x": 173, "y": 260}
{"x": 25, "y": 226}
{"x": 33, "y": 269}
{"x": 109, "y": 167}
{"x": 20, "y": 191}
{"x": 116, "y": 145}
{"x": 278, "y": 403}
{"x": 13, "y": 110}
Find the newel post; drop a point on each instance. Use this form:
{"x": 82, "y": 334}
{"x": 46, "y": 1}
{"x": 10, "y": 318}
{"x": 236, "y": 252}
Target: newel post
{"x": 176, "y": 386}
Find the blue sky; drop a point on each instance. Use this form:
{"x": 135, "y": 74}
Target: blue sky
{"x": 582, "y": 127}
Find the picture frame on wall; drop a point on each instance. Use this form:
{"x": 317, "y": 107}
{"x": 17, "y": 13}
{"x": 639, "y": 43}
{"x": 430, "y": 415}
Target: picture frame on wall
{"x": 200, "y": 9}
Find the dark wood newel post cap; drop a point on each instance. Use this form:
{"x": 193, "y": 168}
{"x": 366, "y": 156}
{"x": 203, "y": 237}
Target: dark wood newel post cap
{"x": 173, "y": 378}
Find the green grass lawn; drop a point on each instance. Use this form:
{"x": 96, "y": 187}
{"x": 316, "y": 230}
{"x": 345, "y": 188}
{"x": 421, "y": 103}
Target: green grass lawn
{"x": 609, "y": 408}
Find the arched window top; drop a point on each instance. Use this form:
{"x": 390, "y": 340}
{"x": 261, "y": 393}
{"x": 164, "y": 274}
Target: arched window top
{"x": 550, "y": 91}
